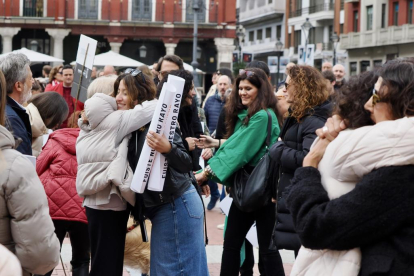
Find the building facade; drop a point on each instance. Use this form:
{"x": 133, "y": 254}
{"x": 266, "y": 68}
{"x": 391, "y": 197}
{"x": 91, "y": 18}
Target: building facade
{"x": 326, "y": 17}
{"x": 163, "y": 27}
{"x": 376, "y": 31}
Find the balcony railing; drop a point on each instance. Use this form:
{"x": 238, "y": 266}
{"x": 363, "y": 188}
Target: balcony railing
{"x": 321, "y": 7}
{"x": 312, "y": 9}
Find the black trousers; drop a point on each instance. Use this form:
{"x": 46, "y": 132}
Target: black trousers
{"x": 238, "y": 224}
{"x": 79, "y": 240}
{"x": 107, "y": 231}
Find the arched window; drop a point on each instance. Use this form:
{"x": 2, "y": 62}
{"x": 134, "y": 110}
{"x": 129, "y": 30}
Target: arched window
{"x": 142, "y": 10}
{"x": 189, "y": 14}
{"x": 88, "y": 9}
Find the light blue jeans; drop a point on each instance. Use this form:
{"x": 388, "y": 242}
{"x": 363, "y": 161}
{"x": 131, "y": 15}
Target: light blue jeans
{"x": 177, "y": 237}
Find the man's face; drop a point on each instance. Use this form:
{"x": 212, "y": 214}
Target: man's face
{"x": 339, "y": 72}
{"x": 67, "y": 77}
{"x": 166, "y": 67}
{"x": 26, "y": 87}
{"x": 326, "y": 66}
{"x": 223, "y": 84}
{"x": 93, "y": 75}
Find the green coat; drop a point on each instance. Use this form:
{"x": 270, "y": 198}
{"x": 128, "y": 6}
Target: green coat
{"x": 245, "y": 147}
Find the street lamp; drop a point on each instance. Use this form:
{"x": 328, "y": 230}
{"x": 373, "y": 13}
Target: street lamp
{"x": 335, "y": 40}
{"x": 143, "y": 51}
{"x": 34, "y": 45}
{"x": 240, "y": 35}
{"x": 306, "y": 27}
{"x": 194, "y": 63}
{"x": 279, "y": 49}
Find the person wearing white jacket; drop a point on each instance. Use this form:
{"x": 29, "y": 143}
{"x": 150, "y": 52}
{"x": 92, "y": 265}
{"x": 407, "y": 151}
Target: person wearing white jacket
{"x": 104, "y": 175}
{"x": 352, "y": 155}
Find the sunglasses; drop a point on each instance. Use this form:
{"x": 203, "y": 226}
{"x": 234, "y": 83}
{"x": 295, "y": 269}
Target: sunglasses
{"x": 287, "y": 85}
{"x": 246, "y": 72}
{"x": 60, "y": 72}
{"x": 135, "y": 72}
{"x": 375, "y": 98}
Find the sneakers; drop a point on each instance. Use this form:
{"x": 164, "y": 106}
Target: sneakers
{"x": 220, "y": 226}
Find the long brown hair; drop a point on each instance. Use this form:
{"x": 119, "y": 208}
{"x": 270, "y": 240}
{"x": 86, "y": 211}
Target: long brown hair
{"x": 265, "y": 99}
{"x": 310, "y": 90}
{"x": 140, "y": 88}
{"x": 2, "y": 99}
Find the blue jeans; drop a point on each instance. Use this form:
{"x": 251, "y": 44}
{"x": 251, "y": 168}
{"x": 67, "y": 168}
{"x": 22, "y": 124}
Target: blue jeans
{"x": 177, "y": 237}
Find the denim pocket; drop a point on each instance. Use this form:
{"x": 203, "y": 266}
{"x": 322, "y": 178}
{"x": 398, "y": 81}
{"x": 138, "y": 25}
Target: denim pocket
{"x": 192, "y": 203}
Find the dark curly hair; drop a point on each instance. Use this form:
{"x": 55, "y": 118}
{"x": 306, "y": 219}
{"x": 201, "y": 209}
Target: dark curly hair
{"x": 188, "y": 85}
{"x": 352, "y": 98}
{"x": 265, "y": 99}
{"x": 310, "y": 89}
{"x": 140, "y": 88}
{"x": 397, "y": 87}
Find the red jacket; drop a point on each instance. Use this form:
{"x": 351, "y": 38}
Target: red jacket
{"x": 57, "y": 168}
{"x": 59, "y": 89}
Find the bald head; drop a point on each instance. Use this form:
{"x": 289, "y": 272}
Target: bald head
{"x": 339, "y": 72}
{"x": 326, "y": 66}
{"x": 109, "y": 70}
{"x": 223, "y": 83}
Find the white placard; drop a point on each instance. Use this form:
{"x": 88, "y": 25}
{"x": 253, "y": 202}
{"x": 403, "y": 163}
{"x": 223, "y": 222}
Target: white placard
{"x": 83, "y": 45}
{"x": 152, "y": 166}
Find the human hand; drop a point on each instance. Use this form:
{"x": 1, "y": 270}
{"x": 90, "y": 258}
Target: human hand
{"x": 158, "y": 142}
{"x": 200, "y": 177}
{"x": 332, "y": 128}
{"x": 206, "y": 142}
{"x": 191, "y": 143}
{"x": 207, "y": 153}
{"x": 313, "y": 158}
{"x": 205, "y": 190}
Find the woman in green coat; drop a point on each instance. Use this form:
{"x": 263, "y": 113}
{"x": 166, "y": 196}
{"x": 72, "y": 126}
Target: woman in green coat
{"x": 246, "y": 123}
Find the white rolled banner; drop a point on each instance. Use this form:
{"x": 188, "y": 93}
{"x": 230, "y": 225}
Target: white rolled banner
{"x": 152, "y": 167}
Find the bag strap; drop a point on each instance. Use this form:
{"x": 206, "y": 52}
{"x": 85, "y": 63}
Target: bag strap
{"x": 269, "y": 129}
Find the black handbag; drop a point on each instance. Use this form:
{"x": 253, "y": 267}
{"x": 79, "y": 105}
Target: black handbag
{"x": 250, "y": 190}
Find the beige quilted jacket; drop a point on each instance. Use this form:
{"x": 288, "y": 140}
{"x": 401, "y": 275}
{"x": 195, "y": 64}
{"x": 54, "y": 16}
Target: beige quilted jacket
{"x": 26, "y": 228}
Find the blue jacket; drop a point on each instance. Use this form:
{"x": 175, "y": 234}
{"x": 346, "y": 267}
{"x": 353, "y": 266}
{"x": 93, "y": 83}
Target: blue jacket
{"x": 20, "y": 123}
{"x": 212, "y": 109}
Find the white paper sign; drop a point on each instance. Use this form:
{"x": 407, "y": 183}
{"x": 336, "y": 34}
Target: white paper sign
{"x": 152, "y": 166}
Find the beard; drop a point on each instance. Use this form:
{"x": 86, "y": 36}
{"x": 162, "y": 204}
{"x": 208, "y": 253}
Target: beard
{"x": 27, "y": 93}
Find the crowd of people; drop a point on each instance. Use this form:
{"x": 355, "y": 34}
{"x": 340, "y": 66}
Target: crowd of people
{"x": 338, "y": 190}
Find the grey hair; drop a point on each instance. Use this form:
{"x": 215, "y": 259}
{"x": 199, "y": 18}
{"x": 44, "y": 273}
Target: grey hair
{"x": 104, "y": 84}
{"x": 14, "y": 69}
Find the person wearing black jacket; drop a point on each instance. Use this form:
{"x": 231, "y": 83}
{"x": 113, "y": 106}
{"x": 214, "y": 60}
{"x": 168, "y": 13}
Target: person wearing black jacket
{"x": 297, "y": 135}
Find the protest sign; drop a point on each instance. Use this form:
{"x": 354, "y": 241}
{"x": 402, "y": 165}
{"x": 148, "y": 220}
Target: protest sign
{"x": 152, "y": 166}
{"x": 83, "y": 68}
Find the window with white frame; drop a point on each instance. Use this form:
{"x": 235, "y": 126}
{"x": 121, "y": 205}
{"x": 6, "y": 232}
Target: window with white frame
{"x": 88, "y": 9}
{"x": 141, "y": 10}
{"x": 370, "y": 15}
{"x": 201, "y": 14}
{"x": 33, "y": 8}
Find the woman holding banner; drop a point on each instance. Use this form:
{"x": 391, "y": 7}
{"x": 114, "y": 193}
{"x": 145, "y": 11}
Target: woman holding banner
{"x": 104, "y": 176}
{"x": 246, "y": 120}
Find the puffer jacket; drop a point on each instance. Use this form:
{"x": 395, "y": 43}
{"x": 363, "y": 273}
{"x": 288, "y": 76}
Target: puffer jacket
{"x": 57, "y": 169}
{"x": 287, "y": 155}
{"x": 102, "y": 149}
{"x": 212, "y": 109}
{"x": 347, "y": 159}
{"x": 38, "y": 129}
{"x": 26, "y": 228}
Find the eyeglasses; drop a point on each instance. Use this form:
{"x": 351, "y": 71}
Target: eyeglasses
{"x": 135, "y": 72}
{"x": 375, "y": 98}
{"x": 247, "y": 72}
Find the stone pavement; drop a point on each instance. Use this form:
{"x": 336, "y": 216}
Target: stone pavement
{"x": 214, "y": 249}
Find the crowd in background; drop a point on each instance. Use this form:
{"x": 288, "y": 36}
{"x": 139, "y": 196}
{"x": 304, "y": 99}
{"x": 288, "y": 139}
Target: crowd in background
{"x": 338, "y": 188}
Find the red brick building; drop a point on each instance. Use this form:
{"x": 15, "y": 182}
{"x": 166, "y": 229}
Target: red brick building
{"x": 162, "y": 26}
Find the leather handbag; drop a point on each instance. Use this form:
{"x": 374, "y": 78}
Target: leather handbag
{"x": 250, "y": 190}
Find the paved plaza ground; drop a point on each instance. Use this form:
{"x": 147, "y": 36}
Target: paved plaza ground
{"x": 214, "y": 249}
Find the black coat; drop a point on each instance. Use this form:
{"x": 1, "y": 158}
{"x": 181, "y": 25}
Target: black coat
{"x": 377, "y": 216}
{"x": 287, "y": 155}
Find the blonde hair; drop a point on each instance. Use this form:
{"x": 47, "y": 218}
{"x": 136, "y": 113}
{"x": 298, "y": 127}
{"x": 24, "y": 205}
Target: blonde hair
{"x": 104, "y": 84}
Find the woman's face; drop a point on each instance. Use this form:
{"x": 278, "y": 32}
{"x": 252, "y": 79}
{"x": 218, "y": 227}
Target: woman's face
{"x": 289, "y": 90}
{"x": 59, "y": 75}
{"x": 190, "y": 96}
{"x": 380, "y": 111}
{"x": 247, "y": 92}
{"x": 122, "y": 99}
